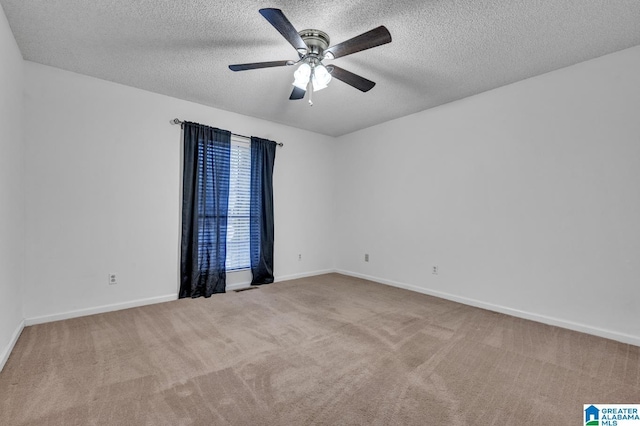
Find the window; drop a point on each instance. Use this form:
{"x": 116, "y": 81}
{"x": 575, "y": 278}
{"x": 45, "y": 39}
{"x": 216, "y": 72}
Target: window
{"x": 238, "y": 225}
{"x": 238, "y": 209}
{"x": 227, "y": 209}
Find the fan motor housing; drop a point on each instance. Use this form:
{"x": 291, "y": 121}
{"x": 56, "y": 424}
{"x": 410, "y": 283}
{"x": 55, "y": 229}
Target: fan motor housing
{"x": 316, "y": 40}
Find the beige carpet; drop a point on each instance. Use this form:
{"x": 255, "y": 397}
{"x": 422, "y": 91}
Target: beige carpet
{"x": 327, "y": 350}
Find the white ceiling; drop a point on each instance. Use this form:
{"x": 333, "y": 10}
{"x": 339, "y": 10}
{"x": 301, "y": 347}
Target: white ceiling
{"x": 441, "y": 50}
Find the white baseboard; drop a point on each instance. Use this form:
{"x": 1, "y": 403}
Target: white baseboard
{"x": 4, "y": 356}
{"x": 607, "y": 334}
{"x": 149, "y": 301}
{"x": 304, "y": 275}
{"x": 278, "y": 279}
{"x": 100, "y": 309}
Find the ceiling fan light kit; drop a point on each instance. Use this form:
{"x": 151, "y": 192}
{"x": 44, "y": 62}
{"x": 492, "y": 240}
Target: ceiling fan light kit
{"x": 312, "y": 47}
{"x": 320, "y": 78}
{"x": 301, "y": 76}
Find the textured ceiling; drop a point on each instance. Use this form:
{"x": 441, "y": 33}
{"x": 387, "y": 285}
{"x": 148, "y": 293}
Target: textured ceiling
{"x": 441, "y": 50}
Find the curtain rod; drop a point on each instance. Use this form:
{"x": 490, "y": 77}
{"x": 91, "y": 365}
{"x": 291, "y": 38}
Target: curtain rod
{"x": 178, "y": 121}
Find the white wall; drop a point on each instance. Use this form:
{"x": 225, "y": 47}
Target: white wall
{"x": 11, "y": 190}
{"x": 103, "y": 188}
{"x": 527, "y": 198}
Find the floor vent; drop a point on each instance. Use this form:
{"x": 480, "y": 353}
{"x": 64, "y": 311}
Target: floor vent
{"x": 245, "y": 289}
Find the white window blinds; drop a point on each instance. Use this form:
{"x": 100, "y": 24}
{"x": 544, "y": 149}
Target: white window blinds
{"x": 238, "y": 226}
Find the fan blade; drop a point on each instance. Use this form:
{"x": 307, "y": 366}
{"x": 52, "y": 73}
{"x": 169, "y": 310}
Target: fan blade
{"x": 257, "y": 65}
{"x": 282, "y": 24}
{"x": 297, "y": 93}
{"x": 350, "y": 78}
{"x": 375, "y": 37}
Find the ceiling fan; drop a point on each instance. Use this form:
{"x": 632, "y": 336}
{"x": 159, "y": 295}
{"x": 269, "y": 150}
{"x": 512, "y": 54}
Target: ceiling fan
{"x": 313, "y": 47}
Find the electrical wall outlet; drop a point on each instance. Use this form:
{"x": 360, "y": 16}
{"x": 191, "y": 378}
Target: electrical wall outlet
{"x": 366, "y": 257}
{"x": 434, "y": 270}
{"x": 113, "y": 279}
{"x": 299, "y": 257}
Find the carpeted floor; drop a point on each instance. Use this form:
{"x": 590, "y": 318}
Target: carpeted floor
{"x": 326, "y": 350}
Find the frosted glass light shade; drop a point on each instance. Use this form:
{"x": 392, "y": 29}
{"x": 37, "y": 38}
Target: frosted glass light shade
{"x": 321, "y": 77}
{"x": 301, "y": 76}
